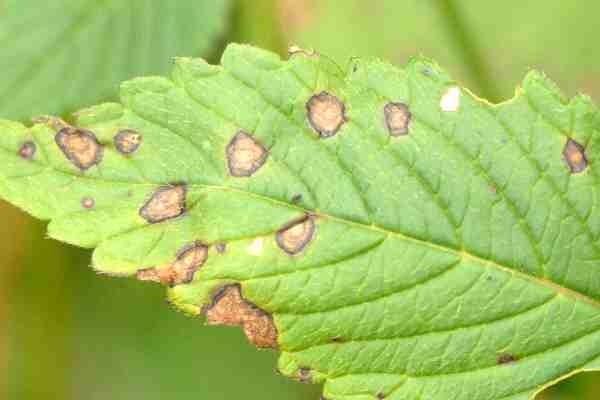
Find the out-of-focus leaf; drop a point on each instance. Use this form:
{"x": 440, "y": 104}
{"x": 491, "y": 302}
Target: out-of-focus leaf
{"x": 511, "y": 36}
{"x": 59, "y": 55}
{"x": 393, "y": 235}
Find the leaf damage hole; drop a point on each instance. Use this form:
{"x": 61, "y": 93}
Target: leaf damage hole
{"x": 245, "y": 155}
{"x": 231, "y": 309}
{"x": 27, "y": 150}
{"x": 127, "y": 141}
{"x": 166, "y": 202}
{"x": 574, "y": 154}
{"x": 80, "y": 146}
{"x": 506, "y": 358}
{"x": 88, "y": 203}
{"x": 397, "y": 118}
{"x": 326, "y": 114}
{"x": 450, "y": 100}
{"x": 188, "y": 260}
{"x": 296, "y": 235}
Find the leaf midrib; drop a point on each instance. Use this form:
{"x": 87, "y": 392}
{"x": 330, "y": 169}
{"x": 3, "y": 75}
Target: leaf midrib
{"x": 462, "y": 254}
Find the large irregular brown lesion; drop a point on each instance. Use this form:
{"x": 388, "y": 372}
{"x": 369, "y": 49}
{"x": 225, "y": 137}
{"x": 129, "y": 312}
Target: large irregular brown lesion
{"x": 230, "y": 308}
{"x": 166, "y": 202}
{"x": 188, "y": 260}
{"x": 80, "y": 146}
{"x": 245, "y": 155}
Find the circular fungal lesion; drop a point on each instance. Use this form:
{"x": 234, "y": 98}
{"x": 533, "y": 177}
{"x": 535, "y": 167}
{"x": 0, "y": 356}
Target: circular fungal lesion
{"x": 295, "y": 236}
{"x": 245, "y": 155}
{"x": 127, "y": 141}
{"x": 575, "y": 157}
{"x": 88, "y": 203}
{"x": 166, "y": 202}
{"x": 326, "y": 114}
{"x": 80, "y": 146}
{"x": 27, "y": 150}
{"x": 397, "y": 118}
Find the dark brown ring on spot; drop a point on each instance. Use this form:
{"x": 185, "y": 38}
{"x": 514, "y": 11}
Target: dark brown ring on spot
{"x": 88, "y": 202}
{"x": 228, "y": 307}
{"x": 397, "y": 118}
{"x": 80, "y": 146}
{"x": 245, "y": 155}
{"x": 296, "y": 235}
{"x": 166, "y": 202}
{"x": 326, "y": 114}
{"x": 574, "y": 155}
{"x": 127, "y": 141}
{"x": 27, "y": 150}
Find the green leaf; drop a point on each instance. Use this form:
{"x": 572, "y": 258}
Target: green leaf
{"x": 391, "y": 234}
{"x": 60, "y": 55}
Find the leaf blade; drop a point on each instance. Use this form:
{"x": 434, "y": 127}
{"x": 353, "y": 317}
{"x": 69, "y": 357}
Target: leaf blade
{"x": 458, "y": 257}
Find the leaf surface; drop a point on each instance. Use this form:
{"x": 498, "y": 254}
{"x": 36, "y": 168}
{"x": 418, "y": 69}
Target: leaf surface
{"x": 57, "y": 56}
{"x": 391, "y": 234}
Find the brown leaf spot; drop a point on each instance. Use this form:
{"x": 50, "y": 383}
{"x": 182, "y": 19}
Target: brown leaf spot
{"x": 397, "y": 118}
{"x": 245, "y": 155}
{"x": 189, "y": 259}
{"x": 166, "y": 202}
{"x": 221, "y": 247}
{"x": 305, "y": 375}
{"x": 326, "y": 114}
{"x": 574, "y": 154}
{"x": 88, "y": 202}
{"x": 127, "y": 141}
{"x": 295, "y": 236}
{"x": 231, "y": 309}
{"x": 506, "y": 358}
{"x": 27, "y": 150}
{"x": 380, "y": 395}
{"x": 79, "y": 146}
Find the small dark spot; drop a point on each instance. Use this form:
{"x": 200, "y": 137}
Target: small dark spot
{"x": 397, "y": 118}
{"x": 380, "y": 395}
{"x": 297, "y": 198}
{"x": 245, "y": 155}
{"x": 489, "y": 278}
{"x": 326, "y": 114}
{"x": 127, "y": 141}
{"x": 27, "y": 150}
{"x": 296, "y": 235}
{"x": 506, "y": 358}
{"x": 188, "y": 260}
{"x": 305, "y": 375}
{"x": 337, "y": 339}
{"x": 88, "y": 202}
{"x": 166, "y": 202}
{"x": 221, "y": 247}
{"x": 427, "y": 71}
{"x": 80, "y": 147}
{"x": 574, "y": 154}
{"x": 231, "y": 309}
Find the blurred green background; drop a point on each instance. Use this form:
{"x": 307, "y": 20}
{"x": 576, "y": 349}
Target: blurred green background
{"x": 66, "y": 333}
